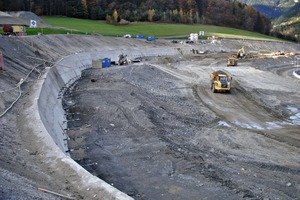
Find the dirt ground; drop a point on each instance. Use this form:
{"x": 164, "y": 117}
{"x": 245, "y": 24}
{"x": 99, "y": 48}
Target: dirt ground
{"x": 153, "y": 129}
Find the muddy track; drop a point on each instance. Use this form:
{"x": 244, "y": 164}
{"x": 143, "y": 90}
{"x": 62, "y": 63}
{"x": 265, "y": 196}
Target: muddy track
{"x": 286, "y": 71}
{"x": 241, "y": 109}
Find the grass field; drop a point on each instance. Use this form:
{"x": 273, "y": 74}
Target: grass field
{"x": 64, "y": 25}
{"x": 156, "y": 29}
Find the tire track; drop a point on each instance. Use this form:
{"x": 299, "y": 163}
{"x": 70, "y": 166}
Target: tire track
{"x": 238, "y": 109}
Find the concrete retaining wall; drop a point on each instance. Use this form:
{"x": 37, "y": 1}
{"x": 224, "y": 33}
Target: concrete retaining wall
{"x": 297, "y": 74}
{"x": 63, "y": 74}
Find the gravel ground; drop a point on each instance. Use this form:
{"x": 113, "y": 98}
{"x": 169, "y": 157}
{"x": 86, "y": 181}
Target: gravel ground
{"x": 154, "y": 129}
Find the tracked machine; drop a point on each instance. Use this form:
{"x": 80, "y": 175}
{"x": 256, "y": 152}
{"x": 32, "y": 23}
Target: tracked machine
{"x": 123, "y": 60}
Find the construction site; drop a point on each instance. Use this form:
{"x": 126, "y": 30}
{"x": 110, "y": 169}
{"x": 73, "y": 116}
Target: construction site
{"x": 155, "y": 122}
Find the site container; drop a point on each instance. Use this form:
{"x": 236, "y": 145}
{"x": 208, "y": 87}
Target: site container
{"x": 194, "y": 37}
{"x": 106, "y": 62}
{"x": 97, "y": 64}
{"x": 18, "y": 29}
{"x": 140, "y": 36}
{"x": 151, "y": 38}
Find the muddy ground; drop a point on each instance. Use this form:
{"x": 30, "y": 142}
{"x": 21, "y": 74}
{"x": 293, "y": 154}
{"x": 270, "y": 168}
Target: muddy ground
{"x": 154, "y": 129}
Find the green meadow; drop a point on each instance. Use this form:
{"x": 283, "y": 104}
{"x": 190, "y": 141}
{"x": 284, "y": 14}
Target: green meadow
{"x": 156, "y": 29}
{"x": 64, "y": 25}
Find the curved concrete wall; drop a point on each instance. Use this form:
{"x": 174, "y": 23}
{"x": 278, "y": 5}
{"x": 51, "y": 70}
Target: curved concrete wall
{"x": 63, "y": 74}
{"x": 58, "y": 78}
{"x": 66, "y": 71}
{"x": 297, "y": 74}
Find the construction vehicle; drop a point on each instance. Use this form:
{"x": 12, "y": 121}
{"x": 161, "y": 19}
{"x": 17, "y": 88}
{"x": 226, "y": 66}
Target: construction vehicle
{"x": 14, "y": 30}
{"x": 123, "y": 60}
{"x": 280, "y": 53}
{"x": 232, "y": 61}
{"x": 220, "y": 82}
{"x": 240, "y": 53}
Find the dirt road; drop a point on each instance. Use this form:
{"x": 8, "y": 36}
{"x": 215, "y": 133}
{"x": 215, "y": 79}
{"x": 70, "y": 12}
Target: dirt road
{"x": 154, "y": 129}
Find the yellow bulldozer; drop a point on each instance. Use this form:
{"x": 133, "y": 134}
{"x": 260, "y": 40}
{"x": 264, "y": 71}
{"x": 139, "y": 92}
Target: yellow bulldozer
{"x": 220, "y": 82}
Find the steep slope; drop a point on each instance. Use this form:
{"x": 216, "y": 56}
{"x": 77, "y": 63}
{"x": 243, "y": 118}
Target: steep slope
{"x": 285, "y": 16}
{"x": 271, "y": 8}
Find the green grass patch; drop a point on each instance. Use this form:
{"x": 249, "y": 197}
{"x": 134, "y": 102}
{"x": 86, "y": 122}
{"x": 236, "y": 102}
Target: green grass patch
{"x": 47, "y": 31}
{"x": 64, "y": 25}
{"x": 156, "y": 29}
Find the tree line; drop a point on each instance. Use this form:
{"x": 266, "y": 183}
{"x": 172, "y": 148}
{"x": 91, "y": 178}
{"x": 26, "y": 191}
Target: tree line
{"x": 229, "y": 13}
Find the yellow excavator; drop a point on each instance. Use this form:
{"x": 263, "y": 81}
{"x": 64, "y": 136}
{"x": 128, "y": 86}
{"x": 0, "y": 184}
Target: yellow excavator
{"x": 240, "y": 53}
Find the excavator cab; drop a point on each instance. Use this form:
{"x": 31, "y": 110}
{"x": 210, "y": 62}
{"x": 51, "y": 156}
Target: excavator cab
{"x": 241, "y": 53}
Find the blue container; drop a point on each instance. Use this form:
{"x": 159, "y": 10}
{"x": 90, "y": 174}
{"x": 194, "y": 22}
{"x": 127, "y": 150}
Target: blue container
{"x": 140, "y": 36}
{"x": 106, "y": 62}
{"x": 151, "y": 38}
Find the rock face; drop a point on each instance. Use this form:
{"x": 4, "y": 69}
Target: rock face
{"x": 153, "y": 127}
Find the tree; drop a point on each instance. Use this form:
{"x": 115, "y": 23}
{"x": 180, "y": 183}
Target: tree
{"x": 250, "y": 18}
{"x": 181, "y": 15}
{"x": 85, "y": 8}
{"x": 115, "y": 15}
{"x": 151, "y": 13}
{"x": 258, "y": 23}
{"x": 230, "y": 13}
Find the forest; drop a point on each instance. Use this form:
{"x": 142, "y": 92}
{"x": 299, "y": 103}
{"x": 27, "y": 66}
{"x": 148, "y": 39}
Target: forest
{"x": 230, "y": 13}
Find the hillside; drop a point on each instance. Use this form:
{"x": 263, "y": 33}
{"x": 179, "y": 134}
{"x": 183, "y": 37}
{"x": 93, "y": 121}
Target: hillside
{"x": 277, "y": 3}
{"x": 285, "y": 15}
{"x": 271, "y": 8}
{"x": 210, "y": 12}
